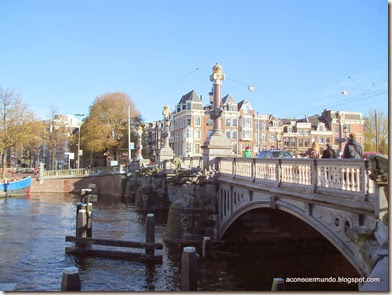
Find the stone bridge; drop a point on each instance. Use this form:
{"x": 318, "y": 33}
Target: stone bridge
{"x": 336, "y": 197}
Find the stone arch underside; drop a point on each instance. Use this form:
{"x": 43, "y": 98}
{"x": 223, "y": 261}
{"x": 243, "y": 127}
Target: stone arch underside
{"x": 344, "y": 245}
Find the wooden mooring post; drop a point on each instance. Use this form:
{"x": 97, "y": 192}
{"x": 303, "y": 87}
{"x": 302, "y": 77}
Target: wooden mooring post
{"x": 150, "y": 232}
{"x": 278, "y": 285}
{"x": 206, "y": 247}
{"x": 188, "y": 269}
{"x": 70, "y": 280}
{"x": 82, "y": 240}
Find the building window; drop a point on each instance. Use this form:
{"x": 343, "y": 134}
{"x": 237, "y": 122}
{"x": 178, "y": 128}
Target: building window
{"x": 188, "y": 106}
{"x": 327, "y": 140}
{"x": 306, "y": 132}
{"x": 197, "y": 133}
{"x": 300, "y": 142}
{"x": 235, "y": 122}
{"x": 306, "y": 142}
{"x": 235, "y": 134}
{"x": 286, "y": 141}
{"x": 184, "y": 107}
{"x": 228, "y": 121}
{"x": 300, "y": 132}
{"x": 235, "y": 148}
{"x": 272, "y": 137}
{"x": 197, "y": 148}
{"x": 289, "y": 129}
{"x": 264, "y": 125}
{"x": 189, "y": 133}
{"x": 197, "y": 121}
{"x": 247, "y": 122}
{"x": 292, "y": 142}
{"x": 263, "y": 137}
{"x": 275, "y": 123}
{"x": 321, "y": 140}
{"x": 228, "y": 134}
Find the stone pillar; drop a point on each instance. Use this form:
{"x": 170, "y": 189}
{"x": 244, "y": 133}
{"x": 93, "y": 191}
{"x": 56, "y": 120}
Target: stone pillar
{"x": 70, "y": 280}
{"x": 341, "y": 139}
{"x": 139, "y": 147}
{"x": 41, "y": 173}
{"x": 166, "y": 153}
{"x": 216, "y": 145}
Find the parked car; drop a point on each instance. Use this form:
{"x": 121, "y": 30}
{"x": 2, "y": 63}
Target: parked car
{"x": 274, "y": 154}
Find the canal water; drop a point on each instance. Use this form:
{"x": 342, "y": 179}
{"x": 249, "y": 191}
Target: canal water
{"x": 32, "y": 234}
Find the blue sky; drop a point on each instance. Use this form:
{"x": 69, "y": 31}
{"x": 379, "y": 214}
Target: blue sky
{"x": 299, "y": 55}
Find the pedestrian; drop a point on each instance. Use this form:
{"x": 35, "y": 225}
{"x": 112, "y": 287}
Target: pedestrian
{"x": 312, "y": 152}
{"x": 247, "y": 152}
{"x": 352, "y": 149}
{"x": 329, "y": 152}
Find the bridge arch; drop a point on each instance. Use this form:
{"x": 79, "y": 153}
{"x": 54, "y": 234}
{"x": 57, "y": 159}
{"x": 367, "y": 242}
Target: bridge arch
{"x": 338, "y": 241}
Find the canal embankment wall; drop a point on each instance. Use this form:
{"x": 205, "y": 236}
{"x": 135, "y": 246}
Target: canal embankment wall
{"x": 105, "y": 185}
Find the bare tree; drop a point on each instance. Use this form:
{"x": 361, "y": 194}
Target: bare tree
{"x": 13, "y": 118}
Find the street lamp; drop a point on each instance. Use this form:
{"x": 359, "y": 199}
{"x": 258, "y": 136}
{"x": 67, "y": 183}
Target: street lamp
{"x": 80, "y": 124}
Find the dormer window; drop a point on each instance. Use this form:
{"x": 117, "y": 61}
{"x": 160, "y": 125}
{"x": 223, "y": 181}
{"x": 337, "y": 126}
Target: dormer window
{"x": 246, "y": 110}
{"x": 321, "y": 127}
{"x": 188, "y": 106}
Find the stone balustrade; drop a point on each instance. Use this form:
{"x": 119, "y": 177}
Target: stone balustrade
{"x": 84, "y": 172}
{"x": 336, "y": 176}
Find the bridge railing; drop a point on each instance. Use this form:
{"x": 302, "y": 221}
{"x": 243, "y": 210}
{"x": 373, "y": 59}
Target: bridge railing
{"x": 337, "y": 176}
{"x": 84, "y": 172}
{"x": 193, "y": 162}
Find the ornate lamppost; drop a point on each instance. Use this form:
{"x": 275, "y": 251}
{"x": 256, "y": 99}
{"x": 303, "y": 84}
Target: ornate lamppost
{"x": 216, "y": 145}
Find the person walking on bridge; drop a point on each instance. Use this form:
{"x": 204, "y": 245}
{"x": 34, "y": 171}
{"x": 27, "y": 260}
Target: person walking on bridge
{"x": 352, "y": 149}
{"x": 329, "y": 152}
{"x": 313, "y": 152}
{"x": 247, "y": 153}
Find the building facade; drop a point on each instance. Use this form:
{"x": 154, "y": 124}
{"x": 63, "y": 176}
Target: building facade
{"x": 190, "y": 125}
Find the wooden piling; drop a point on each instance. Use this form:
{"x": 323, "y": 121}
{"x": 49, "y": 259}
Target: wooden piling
{"x": 278, "y": 284}
{"x": 150, "y": 232}
{"x": 206, "y": 247}
{"x": 188, "y": 269}
{"x": 78, "y": 207}
{"x": 81, "y": 223}
{"x": 89, "y": 232}
{"x": 71, "y": 280}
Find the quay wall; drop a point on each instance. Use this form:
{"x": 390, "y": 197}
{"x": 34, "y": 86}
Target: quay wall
{"x": 105, "y": 185}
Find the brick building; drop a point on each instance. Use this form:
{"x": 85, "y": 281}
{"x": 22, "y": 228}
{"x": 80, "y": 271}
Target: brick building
{"x": 190, "y": 124}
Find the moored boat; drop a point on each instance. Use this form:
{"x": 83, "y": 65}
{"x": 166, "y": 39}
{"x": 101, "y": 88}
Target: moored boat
{"x": 15, "y": 188}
